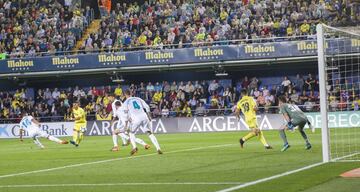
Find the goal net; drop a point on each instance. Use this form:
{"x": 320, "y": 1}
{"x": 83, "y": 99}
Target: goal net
{"x": 339, "y": 81}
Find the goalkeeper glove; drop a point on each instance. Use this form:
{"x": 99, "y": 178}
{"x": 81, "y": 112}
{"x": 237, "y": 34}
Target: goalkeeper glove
{"x": 290, "y": 126}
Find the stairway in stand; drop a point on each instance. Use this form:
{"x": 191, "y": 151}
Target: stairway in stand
{"x": 93, "y": 28}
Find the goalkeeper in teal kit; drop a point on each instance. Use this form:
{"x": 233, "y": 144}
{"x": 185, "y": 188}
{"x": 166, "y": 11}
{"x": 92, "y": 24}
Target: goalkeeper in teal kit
{"x": 294, "y": 118}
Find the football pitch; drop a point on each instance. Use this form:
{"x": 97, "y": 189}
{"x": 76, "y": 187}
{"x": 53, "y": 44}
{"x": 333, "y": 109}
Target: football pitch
{"x": 191, "y": 162}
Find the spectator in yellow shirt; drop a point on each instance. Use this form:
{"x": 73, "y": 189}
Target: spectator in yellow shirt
{"x": 63, "y": 95}
{"x": 157, "y": 39}
{"x": 305, "y": 28}
{"x": 118, "y": 91}
{"x": 101, "y": 115}
{"x": 14, "y": 103}
{"x": 290, "y": 30}
{"x": 5, "y": 112}
{"x": 157, "y": 96}
{"x": 201, "y": 36}
{"x": 99, "y": 99}
{"x": 105, "y": 100}
{"x": 142, "y": 39}
{"x": 90, "y": 107}
{"x": 186, "y": 111}
{"x": 223, "y": 14}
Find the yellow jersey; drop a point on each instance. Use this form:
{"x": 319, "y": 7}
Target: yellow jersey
{"x": 247, "y": 105}
{"x": 79, "y": 113}
{"x": 118, "y": 91}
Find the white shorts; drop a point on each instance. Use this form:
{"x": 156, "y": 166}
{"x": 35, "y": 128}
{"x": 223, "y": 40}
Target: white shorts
{"x": 120, "y": 127}
{"x": 38, "y": 133}
{"x": 143, "y": 124}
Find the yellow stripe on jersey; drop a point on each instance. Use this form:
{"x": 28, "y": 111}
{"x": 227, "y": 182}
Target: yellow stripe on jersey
{"x": 247, "y": 105}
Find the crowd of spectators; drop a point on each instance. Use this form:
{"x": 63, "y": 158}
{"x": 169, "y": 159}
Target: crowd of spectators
{"x": 183, "y": 23}
{"x": 40, "y": 27}
{"x": 177, "y": 99}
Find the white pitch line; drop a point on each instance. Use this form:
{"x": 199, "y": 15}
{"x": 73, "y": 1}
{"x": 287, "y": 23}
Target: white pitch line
{"x": 109, "y": 160}
{"x": 344, "y": 157}
{"x": 116, "y": 184}
{"x": 280, "y": 175}
{"x": 269, "y": 178}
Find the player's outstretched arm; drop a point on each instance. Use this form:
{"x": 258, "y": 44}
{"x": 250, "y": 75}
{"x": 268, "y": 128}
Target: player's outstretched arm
{"x": 286, "y": 117}
{"x": 237, "y": 113}
{"x": 288, "y": 120}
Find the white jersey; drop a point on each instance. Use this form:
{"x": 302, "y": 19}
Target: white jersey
{"x": 113, "y": 108}
{"x": 32, "y": 129}
{"x": 121, "y": 114}
{"x": 136, "y": 107}
{"x": 27, "y": 124}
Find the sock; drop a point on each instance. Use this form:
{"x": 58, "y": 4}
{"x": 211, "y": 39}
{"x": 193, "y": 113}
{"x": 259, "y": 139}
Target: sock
{"x": 283, "y": 136}
{"x": 132, "y": 140}
{"x": 154, "y": 141}
{"x": 262, "y": 139}
{"x": 140, "y": 141}
{"x": 75, "y": 136}
{"x": 115, "y": 141}
{"x": 52, "y": 138}
{"x": 77, "y": 141}
{"x": 303, "y": 134}
{"x": 37, "y": 142}
{"x": 248, "y": 136}
{"x": 81, "y": 137}
{"x": 124, "y": 138}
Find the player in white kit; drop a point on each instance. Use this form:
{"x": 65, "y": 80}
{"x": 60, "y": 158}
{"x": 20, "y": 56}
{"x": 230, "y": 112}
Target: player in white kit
{"x": 32, "y": 126}
{"x": 119, "y": 114}
{"x": 138, "y": 115}
{"x": 116, "y": 132}
{"x": 121, "y": 126}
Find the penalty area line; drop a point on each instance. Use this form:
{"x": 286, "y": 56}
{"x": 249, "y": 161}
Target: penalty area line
{"x": 269, "y": 178}
{"x": 116, "y": 184}
{"x": 283, "y": 174}
{"x": 110, "y": 160}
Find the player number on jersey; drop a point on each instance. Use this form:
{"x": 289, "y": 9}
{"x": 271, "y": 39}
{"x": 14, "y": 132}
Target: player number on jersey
{"x": 246, "y": 107}
{"x": 294, "y": 108}
{"x": 26, "y": 123}
{"x": 136, "y": 105}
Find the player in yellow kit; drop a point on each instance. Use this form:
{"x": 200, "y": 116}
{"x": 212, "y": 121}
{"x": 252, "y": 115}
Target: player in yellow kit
{"x": 80, "y": 124}
{"x": 248, "y": 107}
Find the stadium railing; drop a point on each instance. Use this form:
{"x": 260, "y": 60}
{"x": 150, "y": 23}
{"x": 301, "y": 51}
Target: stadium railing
{"x": 175, "y": 46}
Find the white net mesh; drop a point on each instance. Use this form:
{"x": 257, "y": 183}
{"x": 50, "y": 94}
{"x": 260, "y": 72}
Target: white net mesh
{"x": 342, "y": 69}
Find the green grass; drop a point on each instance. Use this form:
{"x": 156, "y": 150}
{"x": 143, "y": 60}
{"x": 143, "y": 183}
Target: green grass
{"x": 202, "y": 164}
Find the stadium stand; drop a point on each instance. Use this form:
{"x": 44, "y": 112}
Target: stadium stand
{"x": 170, "y": 24}
{"x": 171, "y": 99}
{"x": 26, "y": 26}
{"x": 38, "y": 28}
{"x": 45, "y": 27}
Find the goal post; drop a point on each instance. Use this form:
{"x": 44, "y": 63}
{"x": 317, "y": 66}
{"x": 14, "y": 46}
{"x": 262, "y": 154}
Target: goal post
{"x": 339, "y": 92}
{"x": 323, "y": 93}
